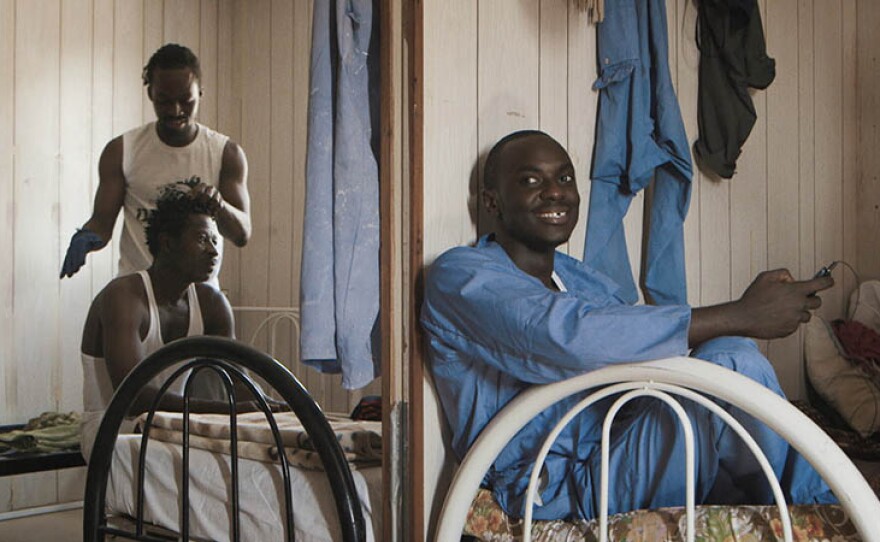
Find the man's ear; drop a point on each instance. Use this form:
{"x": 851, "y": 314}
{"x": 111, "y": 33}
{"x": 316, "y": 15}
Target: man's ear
{"x": 490, "y": 201}
{"x": 150, "y": 91}
{"x": 165, "y": 243}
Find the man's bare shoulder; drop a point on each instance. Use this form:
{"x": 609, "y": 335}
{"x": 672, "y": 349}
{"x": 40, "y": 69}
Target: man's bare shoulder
{"x": 125, "y": 291}
{"x": 216, "y": 310}
{"x": 208, "y": 292}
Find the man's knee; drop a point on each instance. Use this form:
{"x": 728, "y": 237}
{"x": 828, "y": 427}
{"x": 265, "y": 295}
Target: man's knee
{"x": 740, "y": 355}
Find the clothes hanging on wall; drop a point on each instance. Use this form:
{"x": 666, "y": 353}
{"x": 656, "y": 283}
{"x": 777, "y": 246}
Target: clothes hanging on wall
{"x": 640, "y": 135}
{"x": 733, "y": 57}
{"x": 339, "y": 292}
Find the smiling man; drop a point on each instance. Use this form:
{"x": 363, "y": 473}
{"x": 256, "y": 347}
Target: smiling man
{"x": 174, "y": 149}
{"x": 512, "y": 312}
{"x": 136, "y": 314}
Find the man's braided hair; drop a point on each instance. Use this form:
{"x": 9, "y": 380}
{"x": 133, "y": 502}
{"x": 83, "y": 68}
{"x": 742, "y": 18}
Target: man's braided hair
{"x": 173, "y": 209}
{"x": 172, "y": 56}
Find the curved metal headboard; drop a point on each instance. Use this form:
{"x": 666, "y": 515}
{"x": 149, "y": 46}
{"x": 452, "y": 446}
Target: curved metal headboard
{"x": 854, "y": 493}
{"x": 221, "y": 355}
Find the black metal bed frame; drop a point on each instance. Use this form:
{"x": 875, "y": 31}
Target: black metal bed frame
{"x": 223, "y": 357}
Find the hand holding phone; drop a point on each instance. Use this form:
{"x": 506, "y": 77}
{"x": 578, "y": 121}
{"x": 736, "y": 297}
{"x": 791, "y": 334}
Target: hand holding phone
{"x": 826, "y": 271}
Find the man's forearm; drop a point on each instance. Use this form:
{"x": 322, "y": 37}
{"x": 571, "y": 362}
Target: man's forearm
{"x": 717, "y": 321}
{"x": 234, "y": 224}
{"x": 173, "y": 402}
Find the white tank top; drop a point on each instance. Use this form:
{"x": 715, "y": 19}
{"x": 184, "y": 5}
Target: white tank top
{"x": 97, "y": 386}
{"x": 148, "y": 165}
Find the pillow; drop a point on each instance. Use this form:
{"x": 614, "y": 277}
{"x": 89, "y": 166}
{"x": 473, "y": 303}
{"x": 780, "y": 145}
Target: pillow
{"x": 840, "y": 383}
{"x": 864, "y": 304}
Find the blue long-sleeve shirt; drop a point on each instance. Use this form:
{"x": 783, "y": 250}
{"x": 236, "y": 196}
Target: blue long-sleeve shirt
{"x": 494, "y": 330}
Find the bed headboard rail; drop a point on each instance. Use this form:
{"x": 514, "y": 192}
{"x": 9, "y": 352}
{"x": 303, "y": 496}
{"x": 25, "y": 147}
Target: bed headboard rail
{"x": 704, "y": 378}
{"x": 231, "y": 359}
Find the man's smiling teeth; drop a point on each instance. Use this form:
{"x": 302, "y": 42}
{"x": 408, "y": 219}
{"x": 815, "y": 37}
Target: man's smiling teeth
{"x": 555, "y": 214}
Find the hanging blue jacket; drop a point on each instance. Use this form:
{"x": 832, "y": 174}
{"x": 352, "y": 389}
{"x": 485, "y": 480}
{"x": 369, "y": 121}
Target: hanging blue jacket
{"x": 639, "y": 136}
{"x": 339, "y": 289}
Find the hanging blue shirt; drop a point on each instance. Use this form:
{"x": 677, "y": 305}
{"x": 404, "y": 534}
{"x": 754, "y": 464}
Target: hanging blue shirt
{"x": 494, "y": 330}
{"x": 339, "y": 288}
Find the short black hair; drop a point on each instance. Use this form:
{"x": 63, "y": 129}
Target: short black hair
{"x": 173, "y": 209}
{"x": 172, "y": 56}
{"x": 490, "y": 169}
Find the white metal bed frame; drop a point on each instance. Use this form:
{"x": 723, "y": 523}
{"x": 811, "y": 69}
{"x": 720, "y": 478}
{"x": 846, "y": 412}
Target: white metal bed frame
{"x": 682, "y": 376}
{"x": 275, "y": 316}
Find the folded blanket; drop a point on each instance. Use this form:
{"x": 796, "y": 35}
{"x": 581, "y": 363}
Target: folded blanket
{"x": 361, "y": 441}
{"x": 48, "y": 432}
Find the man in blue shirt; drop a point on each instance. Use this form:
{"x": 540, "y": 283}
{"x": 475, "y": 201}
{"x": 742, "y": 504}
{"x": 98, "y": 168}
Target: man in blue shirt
{"x": 511, "y": 312}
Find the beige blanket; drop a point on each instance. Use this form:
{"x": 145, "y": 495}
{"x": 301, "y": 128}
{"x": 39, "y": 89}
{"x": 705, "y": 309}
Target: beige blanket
{"x": 361, "y": 441}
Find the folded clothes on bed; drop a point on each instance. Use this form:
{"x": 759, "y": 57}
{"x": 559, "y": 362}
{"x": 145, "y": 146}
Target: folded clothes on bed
{"x": 49, "y": 432}
{"x": 361, "y": 441}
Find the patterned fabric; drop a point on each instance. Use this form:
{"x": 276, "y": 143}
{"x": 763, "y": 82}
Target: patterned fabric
{"x": 361, "y": 441}
{"x": 488, "y": 523}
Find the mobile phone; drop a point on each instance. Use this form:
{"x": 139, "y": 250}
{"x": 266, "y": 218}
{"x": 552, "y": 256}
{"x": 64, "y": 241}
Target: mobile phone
{"x": 826, "y": 271}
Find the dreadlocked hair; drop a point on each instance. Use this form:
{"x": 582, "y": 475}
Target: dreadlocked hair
{"x": 173, "y": 208}
{"x": 169, "y": 57}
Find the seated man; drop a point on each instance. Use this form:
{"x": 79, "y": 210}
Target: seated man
{"x": 136, "y": 314}
{"x": 511, "y": 312}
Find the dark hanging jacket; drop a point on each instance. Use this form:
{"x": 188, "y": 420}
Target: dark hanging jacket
{"x": 733, "y": 57}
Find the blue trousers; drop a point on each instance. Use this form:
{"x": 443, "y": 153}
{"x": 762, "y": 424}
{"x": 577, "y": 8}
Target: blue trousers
{"x": 647, "y": 454}
{"x": 640, "y": 136}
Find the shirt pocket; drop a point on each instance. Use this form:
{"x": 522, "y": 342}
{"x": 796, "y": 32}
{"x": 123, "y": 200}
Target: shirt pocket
{"x": 617, "y": 44}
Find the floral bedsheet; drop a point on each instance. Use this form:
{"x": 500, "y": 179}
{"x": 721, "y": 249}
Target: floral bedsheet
{"x": 820, "y": 523}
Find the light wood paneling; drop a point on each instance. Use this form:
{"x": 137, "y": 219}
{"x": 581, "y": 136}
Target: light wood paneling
{"x": 7, "y": 203}
{"x": 182, "y": 23}
{"x": 7, "y": 239}
{"x": 783, "y": 124}
{"x": 828, "y": 72}
{"x": 154, "y": 37}
{"x": 868, "y": 109}
{"x": 35, "y": 329}
{"x": 450, "y": 86}
{"x": 74, "y": 197}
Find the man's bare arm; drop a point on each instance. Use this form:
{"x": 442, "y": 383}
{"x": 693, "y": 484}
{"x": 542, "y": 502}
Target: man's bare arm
{"x": 773, "y": 306}
{"x": 230, "y": 200}
{"x": 111, "y": 191}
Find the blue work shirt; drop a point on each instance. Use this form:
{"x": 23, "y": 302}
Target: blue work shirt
{"x": 493, "y": 331}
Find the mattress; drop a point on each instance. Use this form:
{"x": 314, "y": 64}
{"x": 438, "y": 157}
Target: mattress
{"x": 261, "y": 494}
{"x": 487, "y": 522}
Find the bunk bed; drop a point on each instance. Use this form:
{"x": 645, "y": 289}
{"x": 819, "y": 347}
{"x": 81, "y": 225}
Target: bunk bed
{"x": 140, "y": 488}
{"x": 469, "y": 509}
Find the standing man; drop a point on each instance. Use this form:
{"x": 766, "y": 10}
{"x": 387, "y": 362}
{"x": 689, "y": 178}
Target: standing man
{"x": 173, "y": 149}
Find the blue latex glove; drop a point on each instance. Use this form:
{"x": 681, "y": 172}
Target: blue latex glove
{"x": 82, "y": 242}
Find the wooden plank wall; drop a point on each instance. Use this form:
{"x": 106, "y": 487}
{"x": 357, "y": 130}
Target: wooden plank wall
{"x": 800, "y": 198}
{"x": 70, "y": 81}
